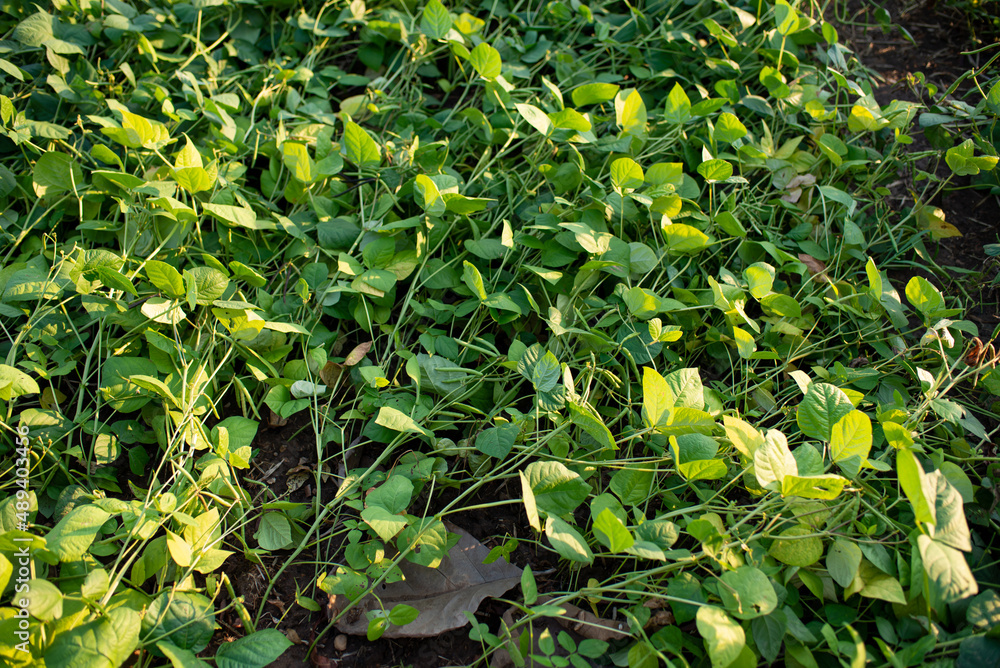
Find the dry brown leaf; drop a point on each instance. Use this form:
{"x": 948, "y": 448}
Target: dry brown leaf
{"x": 358, "y": 353}
{"x": 814, "y": 266}
{"x": 660, "y": 619}
{"x": 587, "y": 624}
{"x": 275, "y": 421}
{"x": 293, "y": 635}
{"x": 297, "y": 480}
{"x": 330, "y": 373}
{"x": 441, "y": 595}
{"x": 321, "y": 661}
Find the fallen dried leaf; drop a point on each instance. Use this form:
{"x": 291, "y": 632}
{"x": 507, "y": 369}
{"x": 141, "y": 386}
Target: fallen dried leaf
{"x": 587, "y": 624}
{"x": 441, "y": 595}
{"x": 275, "y": 421}
{"x": 321, "y": 661}
{"x": 812, "y": 264}
{"x": 660, "y": 619}
{"x": 293, "y": 635}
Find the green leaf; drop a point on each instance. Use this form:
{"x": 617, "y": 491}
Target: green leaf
{"x": 626, "y": 174}
{"x": 567, "y": 541}
{"x": 395, "y": 419}
{"x": 275, "y": 532}
{"x": 486, "y": 61}
{"x": 394, "y": 494}
{"x": 208, "y": 284}
{"x": 359, "y": 148}
{"x": 822, "y": 407}
{"x": 529, "y": 588}
{"x": 631, "y": 113}
{"x": 557, "y": 490}
{"x": 45, "y": 601}
{"x": 924, "y": 297}
{"x": 428, "y": 196}
{"x": 116, "y": 280}
{"x": 633, "y": 485}
{"x": 498, "y": 441}
{"x": 16, "y": 383}
{"x": 747, "y": 593}
{"x": 402, "y": 614}
{"x": 843, "y": 560}
{"x": 760, "y": 279}
{"x": 70, "y": 538}
{"x": 238, "y": 216}
{"x": 536, "y": 118}
{"x": 474, "y": 280}
{"x": 880, "y": 586}
{"x": 773, "y": 461}
{"x": 184, "y": 619}
{"x": 797, "y": 546}
{"x": 295, "y": 156}
{"x": 180, "y": 658}
{"x": 984, "y": 611}
{"x": 593, "y": 93}
{"x": 786, "y": 19}
{"x": 106, "y": 642}
{"x": 851, "y": 436}
{"x": 591, "y": 424}
{"x": 463, "y": 205}
{"x": 919, "y": 488}
{"x": 435, "y": 22}
{"x": 256, "y": 650}
{"x": 56, "y": 173}
{"x": 610, "y": 531}
{"x": 715, "y": 170}
{"x": 683, "y": 238}
{"x": 947, "y": 569}
{"x": 165, "y": 278}
{"x": 678, "y": 108}
{"x": 950, "y": 526}
{"x": 657, "y": 398}
{"x": 728, "y": 128}
{"x": 724, "y": 638}
{"x": 430, "y": 542}
{"x": 781, "y": 305}
{"x": 744, "y": 437}
{"x": 813, "y": 487}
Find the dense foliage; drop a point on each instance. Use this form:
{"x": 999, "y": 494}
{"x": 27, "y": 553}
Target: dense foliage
{"x": 636, "y": 263}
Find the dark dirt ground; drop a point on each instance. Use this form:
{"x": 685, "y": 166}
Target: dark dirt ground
{"x": 941, "y": 33}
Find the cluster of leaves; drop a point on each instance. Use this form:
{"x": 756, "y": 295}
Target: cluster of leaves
{"x": 635, "y": 261}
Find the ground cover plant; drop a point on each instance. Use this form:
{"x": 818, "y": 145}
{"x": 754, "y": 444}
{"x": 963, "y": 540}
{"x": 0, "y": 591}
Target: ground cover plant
{"x": 627, "y": 274}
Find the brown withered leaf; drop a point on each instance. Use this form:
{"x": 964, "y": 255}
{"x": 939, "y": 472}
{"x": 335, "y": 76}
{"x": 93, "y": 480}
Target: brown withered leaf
{"x": 275, "y": 421}
{"x": 587, "y": 624}
{"x": 330, "y": 373}
{"x": 814, "y": 266}
{"x": 441, "y": 595}
{"x": 358, "y": 353}
{"x": 580, "y": 624}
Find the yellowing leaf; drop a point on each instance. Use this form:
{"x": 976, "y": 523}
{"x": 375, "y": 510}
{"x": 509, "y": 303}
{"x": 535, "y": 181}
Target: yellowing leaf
{"x": 931, "y": 218}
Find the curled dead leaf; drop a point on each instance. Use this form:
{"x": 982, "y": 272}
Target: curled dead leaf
{"x": 441, "y": 595}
